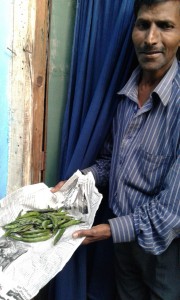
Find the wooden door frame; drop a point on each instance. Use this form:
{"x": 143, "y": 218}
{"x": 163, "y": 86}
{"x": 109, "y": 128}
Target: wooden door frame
{"x": 28, "y": 47}
{"x": 40, "y": 63}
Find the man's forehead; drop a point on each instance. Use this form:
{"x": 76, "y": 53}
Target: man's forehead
{"x": 148, "y": 3}
{"x": 160, "y": 10}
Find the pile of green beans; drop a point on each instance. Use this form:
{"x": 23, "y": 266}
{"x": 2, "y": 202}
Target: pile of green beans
{"x": 40, "y": 225}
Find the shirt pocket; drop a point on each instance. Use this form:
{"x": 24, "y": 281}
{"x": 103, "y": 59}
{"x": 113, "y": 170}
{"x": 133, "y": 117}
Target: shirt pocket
{"x": 146, "y": 171}
{"x": 154, "y": 169}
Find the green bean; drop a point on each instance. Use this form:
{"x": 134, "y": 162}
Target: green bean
{"x": 35, "y": 234}
{"x": 31, "y": 239}
{"x": 50, "y": 226}
{"x": 70, "y": 223}
{"x": 64, "y": 217}
{"x": 35, "y": 231}
{"x": 62, "y": 221}
{"x": 18, "y": 229}
{"x": 11, "y": 225}
{"x": 39, "y": 225}
{"x": 45, "y": 223}
{"x": 59, "y": 235}
{"x": 53, "y": 219}
{"x": 54, "y": 231}
{"x": 34, "y": 221}
{"x": 61, "y": 214}
{"x": 29, "y": 214}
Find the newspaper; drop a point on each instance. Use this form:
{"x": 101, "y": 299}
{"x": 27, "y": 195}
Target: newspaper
{"x": 26, "y": 267}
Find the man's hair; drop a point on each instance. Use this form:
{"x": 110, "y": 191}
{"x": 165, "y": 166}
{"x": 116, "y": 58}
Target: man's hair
{"x": 139, "y": 3}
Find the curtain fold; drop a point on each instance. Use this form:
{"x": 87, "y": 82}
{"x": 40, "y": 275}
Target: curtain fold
{"x": 102, "y": 59}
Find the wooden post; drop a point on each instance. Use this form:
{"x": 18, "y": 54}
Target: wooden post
{"x": 27, "y": 84}
{"x": 39, "y": 62}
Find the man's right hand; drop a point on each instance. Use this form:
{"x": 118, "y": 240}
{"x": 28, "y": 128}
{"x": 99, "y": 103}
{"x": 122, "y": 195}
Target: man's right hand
{"x": 58, "y": 186}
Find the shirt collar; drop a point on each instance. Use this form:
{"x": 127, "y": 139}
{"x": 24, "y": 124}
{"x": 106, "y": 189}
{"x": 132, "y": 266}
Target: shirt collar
{"x": 130, "y": 88}
{"x": 162, "y": 89}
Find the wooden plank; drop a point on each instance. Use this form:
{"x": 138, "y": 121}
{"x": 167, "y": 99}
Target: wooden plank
{"x": 28, "y": 48}
{"x": 39, "y": 62}
{"x": 22, "y": 19}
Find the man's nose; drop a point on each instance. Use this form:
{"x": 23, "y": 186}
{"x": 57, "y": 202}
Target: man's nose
{"x": 152, "y": 35}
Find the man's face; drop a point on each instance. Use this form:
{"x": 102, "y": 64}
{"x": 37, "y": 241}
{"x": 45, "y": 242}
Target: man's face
{"x": 156, "y": 35}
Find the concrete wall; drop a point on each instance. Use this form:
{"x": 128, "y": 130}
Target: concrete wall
{"x": 5, "y": 61}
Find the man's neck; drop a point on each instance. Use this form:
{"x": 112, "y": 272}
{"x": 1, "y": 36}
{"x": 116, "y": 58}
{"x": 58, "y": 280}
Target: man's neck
{"x": 147, "y": 83}
{"x": 145, "y": 88}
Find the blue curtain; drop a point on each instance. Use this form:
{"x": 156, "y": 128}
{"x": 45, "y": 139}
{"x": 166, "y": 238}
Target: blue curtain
{"x": 102, "y": 60}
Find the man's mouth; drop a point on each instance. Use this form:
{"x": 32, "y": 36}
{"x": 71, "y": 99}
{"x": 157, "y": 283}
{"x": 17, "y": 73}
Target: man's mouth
{"x": 150, "y": 55}
{"x": 150, "y": 52}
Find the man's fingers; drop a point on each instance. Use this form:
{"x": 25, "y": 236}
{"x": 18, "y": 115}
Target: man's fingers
{"x": 96, "y": 233}
{"x": 81, "y": 233}
{"x": 57, "y": 187}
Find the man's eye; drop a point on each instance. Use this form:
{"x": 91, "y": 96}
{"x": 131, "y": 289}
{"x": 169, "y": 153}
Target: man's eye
{"x": 165, "y": 25}
{"x": 142, "y": 25}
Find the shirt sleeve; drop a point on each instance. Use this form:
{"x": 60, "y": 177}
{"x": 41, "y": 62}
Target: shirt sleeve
{"x": 122, "y": 229}
{"x": 155, "y": 224}
{"x": 101, "y": 168}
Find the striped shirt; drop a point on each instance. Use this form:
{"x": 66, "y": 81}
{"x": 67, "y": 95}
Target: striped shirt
{"x": 141, "y": 162}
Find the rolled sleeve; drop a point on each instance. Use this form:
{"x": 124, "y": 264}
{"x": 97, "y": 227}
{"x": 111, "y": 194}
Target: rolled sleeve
{"x": 93, "y": 170}
{"x": 100, "y": 171}
{"x": 122, "y": 229}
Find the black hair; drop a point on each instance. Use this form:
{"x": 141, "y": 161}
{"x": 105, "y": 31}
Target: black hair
{"x": 139, "y": 3}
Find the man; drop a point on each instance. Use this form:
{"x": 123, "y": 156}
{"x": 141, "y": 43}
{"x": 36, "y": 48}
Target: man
{"x": 141, "y": 161}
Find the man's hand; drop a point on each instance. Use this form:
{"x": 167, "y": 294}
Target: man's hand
{"x": 96, "y": 233}
{"x": 57, "y": 187}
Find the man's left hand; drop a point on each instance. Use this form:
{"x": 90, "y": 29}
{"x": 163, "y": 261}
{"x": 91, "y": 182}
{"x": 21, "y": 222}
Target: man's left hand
{"x": 96, "y": 233}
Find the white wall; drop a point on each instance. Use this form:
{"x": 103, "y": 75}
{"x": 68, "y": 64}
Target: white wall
{"x": 17, "y": 26}
{"x": 5, "y": 64}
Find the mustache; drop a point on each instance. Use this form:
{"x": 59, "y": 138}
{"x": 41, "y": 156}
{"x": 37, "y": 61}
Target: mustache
{"x": 150, "y": 49}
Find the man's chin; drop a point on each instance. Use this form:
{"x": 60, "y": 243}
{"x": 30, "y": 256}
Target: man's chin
{"x": 150, "y": 66}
